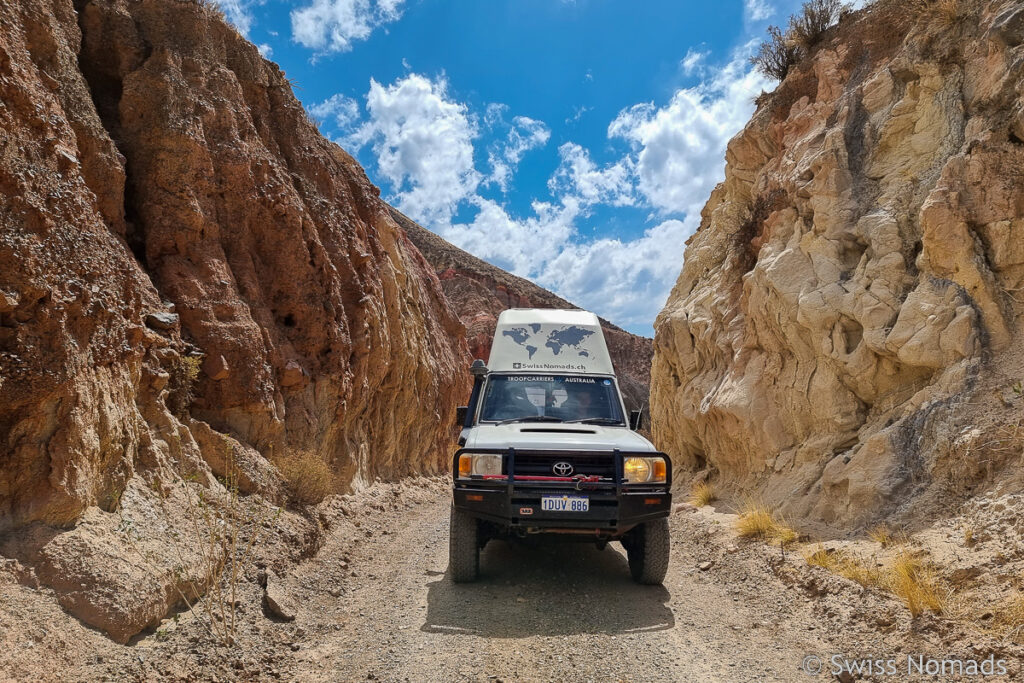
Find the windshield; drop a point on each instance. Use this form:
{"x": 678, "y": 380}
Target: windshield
{"x": 555, "y": 398}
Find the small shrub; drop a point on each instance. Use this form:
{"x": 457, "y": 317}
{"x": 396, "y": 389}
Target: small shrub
{"x": 703, "y": 494}
{"x": 777, "y": 55}
{"x": 810, "y": 23}
{"x": 309, "y": 478}
{"x": 915, "y": 584}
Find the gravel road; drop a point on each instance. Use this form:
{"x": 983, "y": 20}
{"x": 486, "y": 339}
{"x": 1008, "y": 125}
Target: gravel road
{"x": 546, "y": 612}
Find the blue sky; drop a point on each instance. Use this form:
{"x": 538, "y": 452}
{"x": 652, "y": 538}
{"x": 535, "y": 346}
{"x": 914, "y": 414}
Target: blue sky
{"x": 573, "y": 143}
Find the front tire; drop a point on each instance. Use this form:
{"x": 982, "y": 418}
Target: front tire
{"x": 648, "y": 551}
{"x": 463, "y": 547}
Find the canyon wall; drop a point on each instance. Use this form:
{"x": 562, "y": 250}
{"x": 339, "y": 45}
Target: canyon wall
{"x": 843, "y": 337}
{"x": 479, "y": 292}
{"x": 190, "y": 273}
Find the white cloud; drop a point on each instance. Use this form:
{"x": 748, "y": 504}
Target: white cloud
{"x": 578, "y": 113}
{"x": 239, "y": 13}
{"x": 757, "y": 10}
{"x": 265, "y": 50}
{"x": 577, "y": 175}
{"x": 341, "y": 110}
{"x": 627, "y": 282}
{"x": 518, "y": 245}
{"x": 524, "y": 134}
{"x": 423, "y": 143}
{"x": 680, "y": 147}
{"x": 693, "y": 62}
{"x": 333, "y": 25}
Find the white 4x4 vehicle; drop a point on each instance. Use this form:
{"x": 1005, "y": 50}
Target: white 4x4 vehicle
{"x": 548, "y": 449}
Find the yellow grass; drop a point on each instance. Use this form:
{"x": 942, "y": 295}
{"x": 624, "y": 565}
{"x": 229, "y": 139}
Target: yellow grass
{"x": 915, "y": 584}
{"x": 1009, "y": 618}
{"x": 856, "y": 569}
{"x": 703, "y": 494}
{"x": 844, "y": 564}
{"x": 757, "y": 521}
{"x": 881, "y": 535}
{"x": 906, "y": 576}
{"x": 822, "y": 557}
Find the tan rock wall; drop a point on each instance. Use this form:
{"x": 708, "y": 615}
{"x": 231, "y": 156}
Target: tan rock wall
{"x": 854, "y": 276}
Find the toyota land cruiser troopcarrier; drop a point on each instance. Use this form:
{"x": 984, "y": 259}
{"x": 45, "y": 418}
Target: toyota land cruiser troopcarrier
{"x": 547, "y": 451}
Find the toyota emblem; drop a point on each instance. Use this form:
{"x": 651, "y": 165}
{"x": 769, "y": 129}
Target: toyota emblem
{"x": 562, "y": 468}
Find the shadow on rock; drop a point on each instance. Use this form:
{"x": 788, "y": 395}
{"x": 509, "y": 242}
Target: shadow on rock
{"x": 557, "y": 589}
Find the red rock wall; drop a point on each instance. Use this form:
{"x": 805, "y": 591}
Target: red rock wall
{"x": 151, "y": 161}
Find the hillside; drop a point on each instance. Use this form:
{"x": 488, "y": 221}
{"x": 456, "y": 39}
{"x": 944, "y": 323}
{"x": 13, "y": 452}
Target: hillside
{"x": 479, "y": 291}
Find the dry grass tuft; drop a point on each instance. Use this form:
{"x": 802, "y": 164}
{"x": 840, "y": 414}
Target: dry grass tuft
{"x": 703, "y": 494}
{"x": 844, "y": 564}
{"x": 309, "y": 478}
{"x": 823, "y": 557}
{"x": 881, "y": 535}
{"x": 856, "y": 569}
{"x": 947, "y": 12}
{"x": 757, "y": 521}
{"x": 915, "y": 584}
{"x": 1009, "y": 618}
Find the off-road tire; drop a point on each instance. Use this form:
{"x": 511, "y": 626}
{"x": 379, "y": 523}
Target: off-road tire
{"x": 463, "y": 547}
{"x": 648, "y": 550}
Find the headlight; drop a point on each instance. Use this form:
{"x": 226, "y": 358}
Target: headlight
{"x": 479, "y": 464}
{"x": 644, "y": 470}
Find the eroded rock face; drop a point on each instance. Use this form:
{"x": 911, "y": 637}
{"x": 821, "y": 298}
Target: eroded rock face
{"x": 479, "y": 292}
{"x": 856, "y": 271}
{"x": 189, "y": 270}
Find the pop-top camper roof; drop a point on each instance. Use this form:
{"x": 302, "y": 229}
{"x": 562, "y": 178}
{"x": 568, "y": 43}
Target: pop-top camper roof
{"x": 549, "y": 340}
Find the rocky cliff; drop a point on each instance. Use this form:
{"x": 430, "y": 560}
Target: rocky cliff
{"x": 843, "y": 338}
{"x": 479, "y": 292}
{"x": 189, "y": 273}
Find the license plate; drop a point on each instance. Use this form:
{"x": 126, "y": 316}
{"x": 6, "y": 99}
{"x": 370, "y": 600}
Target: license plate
{"x": 564, "y": 504}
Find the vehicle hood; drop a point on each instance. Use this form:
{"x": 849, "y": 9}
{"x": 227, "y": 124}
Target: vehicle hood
{"x": 546, "y": 435}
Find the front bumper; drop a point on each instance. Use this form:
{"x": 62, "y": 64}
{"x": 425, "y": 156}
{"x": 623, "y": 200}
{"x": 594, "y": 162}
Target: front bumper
{"x": 615, "y": 507}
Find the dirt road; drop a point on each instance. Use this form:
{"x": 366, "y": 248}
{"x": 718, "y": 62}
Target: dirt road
{"x": 373, "y": 602}
{"x": 550, "y": 612}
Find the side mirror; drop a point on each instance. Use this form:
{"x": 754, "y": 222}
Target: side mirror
{"x": 635, "y": 416}
{"x": 460, "y": 415}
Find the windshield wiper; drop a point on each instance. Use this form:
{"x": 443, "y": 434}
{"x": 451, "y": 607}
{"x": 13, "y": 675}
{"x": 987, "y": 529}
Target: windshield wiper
{"x": 596, "y": 421}
{"x": 532, "y": 418}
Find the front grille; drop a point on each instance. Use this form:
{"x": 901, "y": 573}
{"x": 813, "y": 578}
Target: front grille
{"x": 540, "y": 465}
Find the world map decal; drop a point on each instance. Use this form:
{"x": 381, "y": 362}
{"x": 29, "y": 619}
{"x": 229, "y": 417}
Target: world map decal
{"x": 565, "y": 339}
